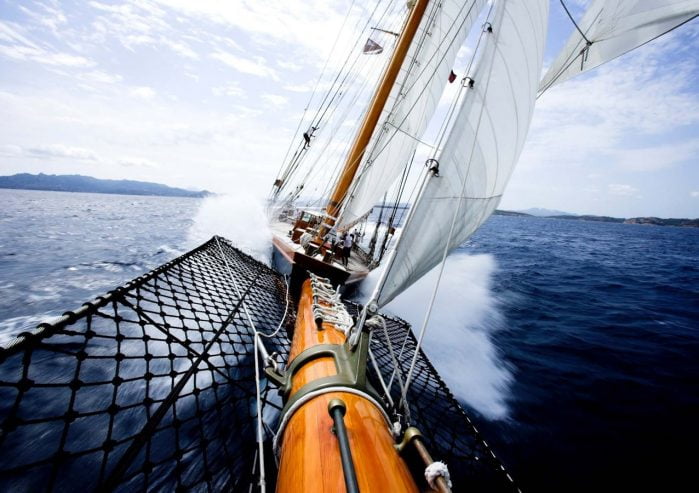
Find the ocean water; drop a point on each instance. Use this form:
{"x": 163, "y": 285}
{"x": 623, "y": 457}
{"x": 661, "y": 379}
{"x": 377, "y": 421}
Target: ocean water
{"x": 574, "y": 344}
{"x": 602, "y": 336}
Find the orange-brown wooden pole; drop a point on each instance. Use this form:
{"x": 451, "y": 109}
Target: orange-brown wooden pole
{"x": 310, "y": 456}
{"x": 375, "y": 108}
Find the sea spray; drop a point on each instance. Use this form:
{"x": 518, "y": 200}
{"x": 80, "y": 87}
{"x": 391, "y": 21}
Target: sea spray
{"x": 458, "y": 339}
{"x": 238, "y": 217}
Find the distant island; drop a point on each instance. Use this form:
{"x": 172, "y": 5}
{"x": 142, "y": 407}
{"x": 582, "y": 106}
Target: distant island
{"x": 88, "y": 184}
{"x": 539, "y": 212}
{"x": 649, "y": 221}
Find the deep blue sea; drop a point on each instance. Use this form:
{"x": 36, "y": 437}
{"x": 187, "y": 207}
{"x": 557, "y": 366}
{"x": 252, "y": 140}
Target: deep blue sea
{"x": 589, "y": 337}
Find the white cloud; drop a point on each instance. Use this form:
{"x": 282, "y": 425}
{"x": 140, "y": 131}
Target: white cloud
{"x": 12, "y": 33}
{"x": 181, "y": 48}
{"x": 232, "y": 89}
{"x": 275, "y": 99}
{"x": 18, "y": 46}
{"x": 313, "y": 24}
{"x": 52, "y": 151}
{"x": 143, "y": 92}
{"x": 635, "y": 96}
{"x": 29, "y": 53}
{"x": 137, "y": 24}
{"x": 290, "y": 65}
{"x": 137, "y": 163}
{"x": 657, "y": 157}
{"x": 50, "y": 16}
{"x": 694, "y": 193}
{"x": 10, "y": 150}
{"x": 625, "y": 190}
{"x": 308, "y": 87}
{"x": 257, "y": 66}
{"x": 101, "y": 77}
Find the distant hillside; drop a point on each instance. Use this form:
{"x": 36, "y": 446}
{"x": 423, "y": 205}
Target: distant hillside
{"x": 88, "y": 184}
{"x": 499, "y": 212}
{"x": 652, "y": 221}
{"x": 602, "y": 219}
{"x": 539, "y": 212}
{"x": 656, "y": 221}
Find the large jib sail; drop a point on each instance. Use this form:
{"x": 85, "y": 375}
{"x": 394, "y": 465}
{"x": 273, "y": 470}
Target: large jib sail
{"x": 611, "y": 28}
{"x": 480, "y": 153}
{"x": 412, "y": 102}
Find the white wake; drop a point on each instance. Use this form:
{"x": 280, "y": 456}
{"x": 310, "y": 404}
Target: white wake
{"x": 459, "y": 336}
{"x": 238, "y": 217}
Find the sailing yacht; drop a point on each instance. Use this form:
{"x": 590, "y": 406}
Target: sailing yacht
{"x": 482, "y": 135}
{"x": 216, "y": 372}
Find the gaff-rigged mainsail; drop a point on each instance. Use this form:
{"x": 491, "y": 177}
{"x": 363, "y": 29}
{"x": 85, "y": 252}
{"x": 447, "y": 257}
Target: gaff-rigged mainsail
{"x": 412, "y": 102}
{"x": 479, "y": 155}
{"x": 612, "y": 28}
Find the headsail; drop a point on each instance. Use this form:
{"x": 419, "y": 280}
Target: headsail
{"x": 612, "y": 28}
{"x": 484, "y": 144}
{"x": 412, "y": 102}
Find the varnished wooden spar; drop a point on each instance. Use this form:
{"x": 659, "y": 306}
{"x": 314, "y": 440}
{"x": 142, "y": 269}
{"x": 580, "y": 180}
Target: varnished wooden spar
{"x": 371, "y": 119}
{"x": 310, "y": 456}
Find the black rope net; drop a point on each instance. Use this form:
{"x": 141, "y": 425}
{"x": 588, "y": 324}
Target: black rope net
{"x": 450, "y": 434}
{"x": 152, "y": 387}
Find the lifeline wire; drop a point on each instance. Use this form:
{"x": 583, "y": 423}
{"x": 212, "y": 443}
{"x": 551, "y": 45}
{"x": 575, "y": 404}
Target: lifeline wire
{"x": 260, "y": 441}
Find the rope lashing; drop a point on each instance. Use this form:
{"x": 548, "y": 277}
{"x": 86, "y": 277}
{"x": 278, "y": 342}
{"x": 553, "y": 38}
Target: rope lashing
{"x": 327, "y": 305}
{"x": 435, "y": 470}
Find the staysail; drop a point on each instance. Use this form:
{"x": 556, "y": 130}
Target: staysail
{"x": 479, "y": 155}
{"x": 611, "y": 28}
{"x": 412, "y": 102}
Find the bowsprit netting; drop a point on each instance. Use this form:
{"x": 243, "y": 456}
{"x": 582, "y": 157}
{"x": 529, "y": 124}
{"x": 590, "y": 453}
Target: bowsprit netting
{"x": 450, "y": 434}
{"x": 152, "y": 387}
{"x": 149, "y": 387}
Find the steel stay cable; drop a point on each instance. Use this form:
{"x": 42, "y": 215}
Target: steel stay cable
{"x": 344, "y": 83}
{"x": 334, "y": 178}
{"x": 334, "y": 90}
{"x": 315, "y": 88}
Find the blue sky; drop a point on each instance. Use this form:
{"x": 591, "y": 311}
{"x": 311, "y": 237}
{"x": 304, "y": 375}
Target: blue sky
{"x": 208, "y": 94}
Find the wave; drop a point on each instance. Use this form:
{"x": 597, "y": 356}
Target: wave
{"x": 459, "y": 340}
{"x": 239, "y": 217}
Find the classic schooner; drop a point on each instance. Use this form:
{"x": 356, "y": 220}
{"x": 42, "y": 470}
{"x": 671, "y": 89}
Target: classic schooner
{"x": 216, "y": 372}
{"x": 462, "y": 182}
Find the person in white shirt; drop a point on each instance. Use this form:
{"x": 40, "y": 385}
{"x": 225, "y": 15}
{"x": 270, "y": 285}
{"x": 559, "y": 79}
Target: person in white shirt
{"x": 346, "y": 248}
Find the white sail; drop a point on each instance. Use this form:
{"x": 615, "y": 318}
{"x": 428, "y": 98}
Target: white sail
{"x": 412, "y": 102}
{"x": 480, "y": 153}
{"x": 614, "y": 27}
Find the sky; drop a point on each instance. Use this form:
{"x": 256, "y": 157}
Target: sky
{"x": 208, "y": 94}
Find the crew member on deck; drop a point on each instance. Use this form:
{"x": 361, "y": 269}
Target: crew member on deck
{"x": 346, "y": 248}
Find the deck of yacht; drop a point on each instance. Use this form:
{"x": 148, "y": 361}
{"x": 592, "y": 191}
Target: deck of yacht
{"x": 356, "y": 268}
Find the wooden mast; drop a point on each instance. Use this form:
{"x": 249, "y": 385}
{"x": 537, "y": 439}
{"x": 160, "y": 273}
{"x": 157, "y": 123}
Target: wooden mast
{"x": 309, "y": 457}
{"x": 376, "y": 106}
